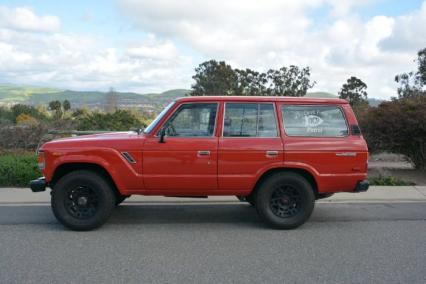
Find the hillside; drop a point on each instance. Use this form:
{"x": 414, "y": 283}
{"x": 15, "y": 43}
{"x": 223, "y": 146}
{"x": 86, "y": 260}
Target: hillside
{"x": 12, "y": 94}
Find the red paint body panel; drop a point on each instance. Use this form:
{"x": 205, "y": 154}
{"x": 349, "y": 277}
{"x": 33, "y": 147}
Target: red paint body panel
{"x": 232, "y": 166}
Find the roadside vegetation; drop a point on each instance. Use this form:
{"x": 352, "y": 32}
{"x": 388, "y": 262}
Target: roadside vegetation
{"x": 389, "y": 181}
{"x": 397, "y": 126}
{"x": 17, "y": 168}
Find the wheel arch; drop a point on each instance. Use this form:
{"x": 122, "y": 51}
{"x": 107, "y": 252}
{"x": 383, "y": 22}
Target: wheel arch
{"x": 66, "y": 168}
{"x": 303, "y": 172}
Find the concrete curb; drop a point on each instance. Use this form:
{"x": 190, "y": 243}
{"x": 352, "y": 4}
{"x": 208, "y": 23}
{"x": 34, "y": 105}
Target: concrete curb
{"x": 376, "y": 194}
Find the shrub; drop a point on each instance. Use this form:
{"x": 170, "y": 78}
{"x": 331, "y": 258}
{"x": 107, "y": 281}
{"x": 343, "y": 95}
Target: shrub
{"x": 26, "y": 119}
{"x": 119, "y": 120}
{"x": 17, "y": 169}
{"x": 398, "y": 126}
{"x": 22, "y": 136}
{"x": 29, "y": 110}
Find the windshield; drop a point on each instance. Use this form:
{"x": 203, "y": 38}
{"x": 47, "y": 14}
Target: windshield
{"x": 152, "y": 125}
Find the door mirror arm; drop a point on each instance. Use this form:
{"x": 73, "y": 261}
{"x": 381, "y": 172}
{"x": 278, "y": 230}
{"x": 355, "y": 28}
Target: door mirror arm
{"x": 162, "y": 134}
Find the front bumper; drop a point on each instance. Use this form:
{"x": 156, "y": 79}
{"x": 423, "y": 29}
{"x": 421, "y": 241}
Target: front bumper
{"x": 362, "y": 186}
{"x": 38, "y": 185}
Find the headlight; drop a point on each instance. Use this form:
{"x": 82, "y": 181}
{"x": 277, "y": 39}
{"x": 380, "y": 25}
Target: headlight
{"x": 41, "y": 160}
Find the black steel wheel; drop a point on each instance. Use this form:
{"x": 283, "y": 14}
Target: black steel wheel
{"x": 285, "y": 200}
{"x": 82, "y": 200}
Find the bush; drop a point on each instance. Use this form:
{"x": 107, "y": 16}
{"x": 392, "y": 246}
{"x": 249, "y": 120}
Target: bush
{"x": 17, "y": 169}
{"x": 398, "y": 126}
{"x": 120, "y": 120}
{"x": 23, "y": 136}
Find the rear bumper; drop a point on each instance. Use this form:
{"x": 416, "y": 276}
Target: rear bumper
{"x": 362, "y": 186}
{"x": 38, "y": 185}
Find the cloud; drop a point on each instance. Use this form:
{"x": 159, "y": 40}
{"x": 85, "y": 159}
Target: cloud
{"x": 271, "y": 34}
{"x": 170, "y": 38}
{"x": 24, "y": 19}
{"x": 78, "y": 61}
{"x": 408, "y": 33}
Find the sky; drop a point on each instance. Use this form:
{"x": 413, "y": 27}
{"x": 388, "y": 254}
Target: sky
{"x": 152, "y": 46}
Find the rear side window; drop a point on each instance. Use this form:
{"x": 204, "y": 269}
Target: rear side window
{"x": 249, "y": 120}
{"x": 317, "y": 121}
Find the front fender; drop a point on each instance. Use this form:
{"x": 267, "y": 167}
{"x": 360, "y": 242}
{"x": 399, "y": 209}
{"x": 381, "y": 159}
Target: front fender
{"x": 125, "y": 176}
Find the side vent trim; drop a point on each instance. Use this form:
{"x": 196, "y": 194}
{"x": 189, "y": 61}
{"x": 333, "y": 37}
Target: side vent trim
{"x": 128, "y": 157}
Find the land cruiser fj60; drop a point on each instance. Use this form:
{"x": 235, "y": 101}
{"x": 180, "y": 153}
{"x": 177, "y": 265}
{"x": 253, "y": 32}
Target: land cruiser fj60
{"x": 279, "y": 154}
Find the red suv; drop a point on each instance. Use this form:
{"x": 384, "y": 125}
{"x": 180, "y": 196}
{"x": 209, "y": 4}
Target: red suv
{"x": 279, "y": 154}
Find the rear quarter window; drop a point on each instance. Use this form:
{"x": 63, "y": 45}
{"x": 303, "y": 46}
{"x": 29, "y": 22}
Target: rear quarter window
{"x": 314, "y": 121}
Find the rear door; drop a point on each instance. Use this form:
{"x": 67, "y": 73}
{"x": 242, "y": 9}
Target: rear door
{"x": 249, "y": 143}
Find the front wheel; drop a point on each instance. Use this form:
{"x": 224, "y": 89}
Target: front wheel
{"x": 285, "y": 200}
{"x": 82, "y": 200}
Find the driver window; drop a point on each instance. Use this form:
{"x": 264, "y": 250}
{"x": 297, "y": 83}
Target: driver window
{"x": 192, "y": 120}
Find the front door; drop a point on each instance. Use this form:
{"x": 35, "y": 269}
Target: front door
{"x": 187, "y": 159}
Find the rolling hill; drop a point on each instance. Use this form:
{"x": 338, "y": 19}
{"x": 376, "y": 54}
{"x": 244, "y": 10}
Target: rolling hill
{"x": 32, "y": 95}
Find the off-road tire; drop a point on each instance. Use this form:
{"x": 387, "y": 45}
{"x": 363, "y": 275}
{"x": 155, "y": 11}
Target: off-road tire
{"x": 285, "y": 200}
{"x": 69, "y": 194}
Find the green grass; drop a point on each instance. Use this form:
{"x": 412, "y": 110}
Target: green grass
{"x": 18, "y": 168}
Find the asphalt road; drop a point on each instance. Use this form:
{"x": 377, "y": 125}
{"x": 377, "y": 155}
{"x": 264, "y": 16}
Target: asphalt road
{"x": 220, "y": 243}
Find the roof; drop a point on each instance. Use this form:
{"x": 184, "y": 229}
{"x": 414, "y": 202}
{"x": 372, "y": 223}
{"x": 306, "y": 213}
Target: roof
{"x": 262, "y": 99}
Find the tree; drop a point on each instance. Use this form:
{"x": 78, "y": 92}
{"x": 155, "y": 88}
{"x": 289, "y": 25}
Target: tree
{"x": 250, "y": 83}
{"x": 56, "y": 106}
{"x": 289, "y": 81}
{"x": 354, "y": 91}
{"x": 214, "y": 78}
{"x": 219, "y": 78}
{"x": 412, "y": 83}
{"x": 66, "y": 105}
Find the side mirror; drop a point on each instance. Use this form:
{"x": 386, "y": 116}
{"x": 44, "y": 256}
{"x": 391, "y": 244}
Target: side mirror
{"x": 162, "y": 134}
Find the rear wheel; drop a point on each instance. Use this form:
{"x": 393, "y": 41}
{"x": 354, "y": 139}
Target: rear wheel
{"x": 82, "y": 200}
{"x": 285, "y": 200}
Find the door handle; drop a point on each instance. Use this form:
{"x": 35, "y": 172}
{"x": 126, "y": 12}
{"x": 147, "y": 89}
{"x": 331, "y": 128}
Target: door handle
{"x": 271, "y": 153}
{"x": 203, "y": 153}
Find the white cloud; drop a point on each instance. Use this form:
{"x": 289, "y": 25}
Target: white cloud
{"x": 24, "y": 19}
{"x": 77, "y": 61}
{"x": 178, "y": 35}
{"x": 153, "y": 49}
{"x": 409, "y": 32}
{"x": 270, "y": 34}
